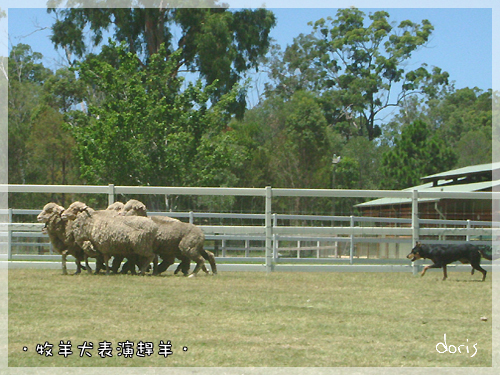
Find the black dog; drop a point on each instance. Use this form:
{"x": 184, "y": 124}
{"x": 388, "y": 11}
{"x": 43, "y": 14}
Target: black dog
{"x": 442, "y": 255}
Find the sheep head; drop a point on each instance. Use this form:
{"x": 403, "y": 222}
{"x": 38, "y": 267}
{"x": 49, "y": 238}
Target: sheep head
{"x": 134, "y": 208}
{"x": 50, "y": 210}
{"x": 74, "y": 209}
{"x": 117, "y": 206}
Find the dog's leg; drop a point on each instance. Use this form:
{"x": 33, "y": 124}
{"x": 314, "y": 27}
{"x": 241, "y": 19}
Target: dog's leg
{"x": 483, "y": 271}
{"x": 435, "y": 265}
{"x": 445, "y": 273}
{"x": 475, "y": 264}
{"x": 480, "y": 269}
{"x": 425, "y": 269}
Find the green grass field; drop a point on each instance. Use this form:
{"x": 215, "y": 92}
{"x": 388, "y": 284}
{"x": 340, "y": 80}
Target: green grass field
{"x": 239, "y": 319}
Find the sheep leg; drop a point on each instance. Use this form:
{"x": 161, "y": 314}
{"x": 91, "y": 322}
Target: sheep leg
{"x": 144, "y": 263}
{"x": 89, "y": 251}
{"x": 78, "y": 267}
{"x": 129, "y": 265}
{"x": 64, "y": 269}
{"x": 117, "y": 261}
{"x": 132, "y": 261}
{"x": 99, "y": 263}
{"x": 167, "y": 262}
{"x": 183, "y": 265}
{"x": 106, "y": 263}
{"x": 155, "y": 265}
{"x": 208, "y": 255}
{"x": 200, "y": 264}
{"x": 89, "y": 269}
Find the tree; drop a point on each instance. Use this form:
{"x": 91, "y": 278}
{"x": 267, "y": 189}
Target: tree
{"x": 357, "y": 64}
{"x": 461, "y": 112}
{"x": 51, "y": 149}
{"x": 461, "y": 118}
{"x": 26, "y": 76}
{"x": 144, "y": 130}
{"x": 63, "y": 91}
{"x": 287, "y": 144}
{"x": 365, "y": 156}
{"x": 218, "y": 44}
{"x": 419, "y": 152}
{"x": 40, "y": 149}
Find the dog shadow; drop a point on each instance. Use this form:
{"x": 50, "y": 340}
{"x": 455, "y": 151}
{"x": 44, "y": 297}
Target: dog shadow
{"x": 465, "y": 281}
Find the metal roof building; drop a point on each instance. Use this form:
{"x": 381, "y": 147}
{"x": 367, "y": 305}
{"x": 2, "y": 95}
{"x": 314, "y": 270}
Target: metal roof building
{"x": 467, "y": 179}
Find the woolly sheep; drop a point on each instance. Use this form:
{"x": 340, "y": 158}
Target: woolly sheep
{"x": 122, "y": 209}
{"x": 177, "y": 239}
{"x": 60, "y": 235}
{"x": 110, "y": 234}
{"x": 117, "y": 206}
{"x": 136, "y": 208}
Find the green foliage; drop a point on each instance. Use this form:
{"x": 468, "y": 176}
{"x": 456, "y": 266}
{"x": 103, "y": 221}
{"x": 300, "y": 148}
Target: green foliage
{"x": 24, "y": 65}
{"x": 347, "y": 174}
{"x": 63, "y": 90}
{"x": 419, "y": 152}
{"x": 133, "y": 115}
{"x": 51, "y": 150}
{"x": 40, "y": 150}
{"x": 287, "y": 142}
{"x": 462, "y": 119}
{"x": 365, "y": 156}
{"x": 217, "y": 43}
{"x": 26, "y": 77}
{"x": 143, "y": 130}
{"x": 355, "y": 63}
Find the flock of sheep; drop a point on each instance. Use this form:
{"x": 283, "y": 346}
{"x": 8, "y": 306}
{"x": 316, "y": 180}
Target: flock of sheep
{"x": 124, "y": 231}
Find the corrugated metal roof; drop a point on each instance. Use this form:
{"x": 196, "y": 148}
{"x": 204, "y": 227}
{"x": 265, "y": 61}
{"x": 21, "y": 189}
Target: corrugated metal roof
{"x": 448, "y": 175}
{"x": 461, "y": 188}
{"x": 462, "y": 172}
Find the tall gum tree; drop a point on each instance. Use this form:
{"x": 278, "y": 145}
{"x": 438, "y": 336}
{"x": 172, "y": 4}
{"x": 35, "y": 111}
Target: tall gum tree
{"x": 357, "y": 64}
{"x": 217, "y": 44}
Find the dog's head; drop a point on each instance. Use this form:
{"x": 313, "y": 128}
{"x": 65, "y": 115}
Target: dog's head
{"x": 416, "y": 252}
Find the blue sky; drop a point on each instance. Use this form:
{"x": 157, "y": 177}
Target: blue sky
{"x": 461, "y": 43}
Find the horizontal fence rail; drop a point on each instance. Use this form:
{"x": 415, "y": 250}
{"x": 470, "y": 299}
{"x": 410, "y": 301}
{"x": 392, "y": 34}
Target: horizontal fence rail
{"x": 270, "y": 238}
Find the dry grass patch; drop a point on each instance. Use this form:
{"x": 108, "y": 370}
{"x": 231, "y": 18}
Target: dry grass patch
{"x": 252, "y": 319}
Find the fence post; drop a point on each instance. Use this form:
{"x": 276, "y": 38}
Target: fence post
{"x": 467, "y": 238}
{"x": 415, "y": 225}
{"x": 111, "y": 194}
{"x": 191, "y": 217}
{"x": 9, "y": 236}
{"x": 269, "y": 230}
{"x": 351, "y": 250}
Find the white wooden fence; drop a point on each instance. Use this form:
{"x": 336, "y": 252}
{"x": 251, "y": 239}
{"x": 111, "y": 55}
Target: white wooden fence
{"x": 269, "y": 232}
